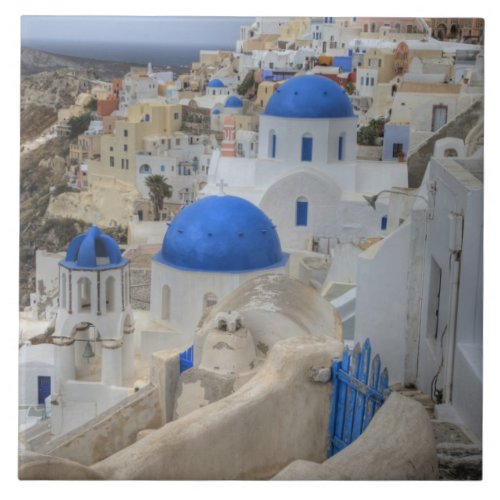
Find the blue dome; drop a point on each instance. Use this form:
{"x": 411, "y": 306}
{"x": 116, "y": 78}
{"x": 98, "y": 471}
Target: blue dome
{"x": 234, "y": 102}
{"x": 309, "y": 96}
{"x": 93, "y": 250}
{"x": 215, "y": 83}
{"x": 216, "y": 112}
{"x": 222, "y": 234}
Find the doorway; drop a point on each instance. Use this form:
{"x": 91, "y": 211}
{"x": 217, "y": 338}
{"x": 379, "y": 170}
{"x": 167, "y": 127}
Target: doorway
{"x": 43, "y": 388}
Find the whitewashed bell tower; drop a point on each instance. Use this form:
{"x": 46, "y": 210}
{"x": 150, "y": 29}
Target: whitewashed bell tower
{"x": 94, "y": 320}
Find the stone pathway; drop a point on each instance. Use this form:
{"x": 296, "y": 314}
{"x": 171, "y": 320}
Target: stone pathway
{"x": 458, "y": 457}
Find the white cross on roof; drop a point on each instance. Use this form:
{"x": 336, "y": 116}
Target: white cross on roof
{"x": 221, "y": 185}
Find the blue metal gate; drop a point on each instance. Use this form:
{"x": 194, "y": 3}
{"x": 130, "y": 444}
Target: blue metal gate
{"x": 357, "y": 393}
{"x": 186, "y": 359}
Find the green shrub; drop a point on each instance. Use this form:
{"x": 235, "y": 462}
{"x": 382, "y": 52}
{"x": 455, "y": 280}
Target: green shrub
{"x": 367, "y": 135}
{"x": 79, "y": 124}
{"x": 247, "y": 83}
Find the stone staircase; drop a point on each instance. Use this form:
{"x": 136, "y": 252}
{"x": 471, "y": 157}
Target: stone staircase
{"x": 459, "y": 458}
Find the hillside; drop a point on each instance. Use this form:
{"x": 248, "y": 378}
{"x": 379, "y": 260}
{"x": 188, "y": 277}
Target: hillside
{"x": 43, "y": 94}
{"x": 50, "y": 82}
{"x": 37, "y": 61}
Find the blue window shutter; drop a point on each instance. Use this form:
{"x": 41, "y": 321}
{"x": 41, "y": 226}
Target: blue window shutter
{"x": 383, "y": 223}
{"x": 301, "y": 213}
{"x": 341, "y": 148}
{"x": 307, "y": 146}
{"x": 273, "y": 146}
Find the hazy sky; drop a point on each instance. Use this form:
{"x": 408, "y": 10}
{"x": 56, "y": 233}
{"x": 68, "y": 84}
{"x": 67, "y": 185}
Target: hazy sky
{"x": 207, "y": 31}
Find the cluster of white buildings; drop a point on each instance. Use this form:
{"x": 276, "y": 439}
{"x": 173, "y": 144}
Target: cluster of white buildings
{"x": 282, "y": 196}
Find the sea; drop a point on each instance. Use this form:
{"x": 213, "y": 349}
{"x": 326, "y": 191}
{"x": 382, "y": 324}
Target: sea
{"x": 158, "y": 54}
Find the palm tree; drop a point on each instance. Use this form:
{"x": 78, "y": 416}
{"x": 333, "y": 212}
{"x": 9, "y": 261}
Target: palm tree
{"x": 158, "y": 190}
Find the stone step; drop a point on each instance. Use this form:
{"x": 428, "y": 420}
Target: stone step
{"x": 463, "y": 468}
{"x": 459, "y": 449}
{"x": 417, "y": 395}
{"x": 448, "y": 432}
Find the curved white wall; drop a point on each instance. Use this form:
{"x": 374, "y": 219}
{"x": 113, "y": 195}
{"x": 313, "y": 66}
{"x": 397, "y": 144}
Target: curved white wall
{"x": 187, "y": 293}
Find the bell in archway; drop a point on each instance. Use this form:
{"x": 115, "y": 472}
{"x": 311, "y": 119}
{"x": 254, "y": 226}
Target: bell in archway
{"x": 88, "y": 352}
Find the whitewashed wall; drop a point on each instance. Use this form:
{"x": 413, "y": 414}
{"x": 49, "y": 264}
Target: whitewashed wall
{"x": 34, "y": 361}
{"x": 381, "y": 300}
{"x": 457, "y": 191}
{"x": 325, "y": 133}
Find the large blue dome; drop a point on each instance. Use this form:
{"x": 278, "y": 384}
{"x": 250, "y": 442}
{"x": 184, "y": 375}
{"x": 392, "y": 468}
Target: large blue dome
{"x": 309, "y": 96}
{"x": 215, "y": 83}
{"x": 93, "y": 250}
{"x": 222, "y": 234}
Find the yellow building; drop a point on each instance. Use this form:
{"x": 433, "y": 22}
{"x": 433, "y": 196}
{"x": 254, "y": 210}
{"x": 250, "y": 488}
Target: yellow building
{"x": 86, "y": 147}
{"x": 382, "y": 61}
{"x": 295, "y": 29}
{"x": 212, "y": 58}
{"x": 265, "y": 91}
{"x": 247, "y": 122}
{"x": 262, "y": 42}
{"x": 118, "y": 150}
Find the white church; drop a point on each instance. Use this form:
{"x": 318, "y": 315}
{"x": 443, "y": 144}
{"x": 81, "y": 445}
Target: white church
{"x": 306, "y": 177}
{"x": 211, "y": 248}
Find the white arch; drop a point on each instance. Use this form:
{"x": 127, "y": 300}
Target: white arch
{"x": 84, "y": 295}
{"x": 165, "y": 302}
{"x": 110, "y": 294}
{"x": 444, "y": 145}
{"x": 272, "y": 144}
{"x": 63, "y": 290}
{"x": 341, "y": 145}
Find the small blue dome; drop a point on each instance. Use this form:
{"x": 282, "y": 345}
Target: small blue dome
{"x": 222, "y": 234}
{"x": 216, "y": 111}
{"x": 309, "y": 96}
{"x": 93, "y": 250}
{"x": 215, "y": 83}
{"x": 234, "y": 102}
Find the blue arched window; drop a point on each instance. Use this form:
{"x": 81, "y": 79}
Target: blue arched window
{"x": 145, "y": 169}
{"x": 307, "y": 147}
{"x": 301, "y": 209}
{"x": 341, "y": 147}
{"x": 272, "y": 144}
